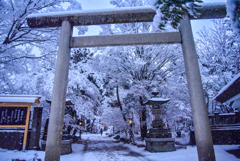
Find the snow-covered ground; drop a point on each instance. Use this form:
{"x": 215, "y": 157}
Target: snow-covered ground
{"x": 103, "y": 148}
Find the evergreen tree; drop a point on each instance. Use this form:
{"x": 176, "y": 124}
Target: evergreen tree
{"x": 173, "y": 10}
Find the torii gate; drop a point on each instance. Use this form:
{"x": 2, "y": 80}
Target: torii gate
{"x": 67, "y": 20}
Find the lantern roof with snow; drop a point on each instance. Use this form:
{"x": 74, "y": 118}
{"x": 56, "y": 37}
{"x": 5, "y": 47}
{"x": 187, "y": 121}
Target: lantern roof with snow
{"x": 157, "y": 100}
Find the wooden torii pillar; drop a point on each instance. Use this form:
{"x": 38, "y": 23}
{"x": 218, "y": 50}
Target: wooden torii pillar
{"x": 128, "y": 15}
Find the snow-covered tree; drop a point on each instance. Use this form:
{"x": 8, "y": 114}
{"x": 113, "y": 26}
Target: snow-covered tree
{"x": 132, "y": 72}
{"x": 84, "y": 84}
{"x": 218, "y": 49}
{"x": 17, "y": 42}
{"x": 14, "y": 29}
{"x": 28, "y": 55}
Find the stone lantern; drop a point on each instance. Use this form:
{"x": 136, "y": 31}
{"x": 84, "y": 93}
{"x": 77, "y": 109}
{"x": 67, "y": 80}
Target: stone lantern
{"x": 158, "y": 139}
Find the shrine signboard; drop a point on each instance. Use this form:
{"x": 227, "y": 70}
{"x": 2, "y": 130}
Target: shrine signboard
{"x": 15, "y": 112}
{"x": 13, "y": 115}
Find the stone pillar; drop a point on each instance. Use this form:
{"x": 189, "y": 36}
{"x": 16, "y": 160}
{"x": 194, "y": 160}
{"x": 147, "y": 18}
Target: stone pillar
{"x": 36, "y": 129}
{"x": 197, "y": 100}
{"x": 55, "y": 128}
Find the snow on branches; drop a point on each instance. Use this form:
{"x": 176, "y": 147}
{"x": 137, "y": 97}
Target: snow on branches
{"x": 16, "y": 36}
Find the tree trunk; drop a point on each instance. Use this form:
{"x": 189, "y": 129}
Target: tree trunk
{"x": 143, "y": 119}
{"x": 92, "y": 124}
{"x": 120, "y": 105}
{"x": 144, "y": 125}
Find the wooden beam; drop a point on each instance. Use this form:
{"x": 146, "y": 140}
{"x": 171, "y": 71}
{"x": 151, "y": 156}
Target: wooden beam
{"x": 37, "y": 101}
{"x": 122, "y": 40}
{"x": 113, "y": 16}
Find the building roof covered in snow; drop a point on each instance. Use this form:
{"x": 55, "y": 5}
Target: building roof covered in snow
{"x": 230, "y": 92}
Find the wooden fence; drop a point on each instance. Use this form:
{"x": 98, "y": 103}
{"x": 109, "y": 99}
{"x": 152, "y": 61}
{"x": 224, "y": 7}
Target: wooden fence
{"x": 224, "y": 118}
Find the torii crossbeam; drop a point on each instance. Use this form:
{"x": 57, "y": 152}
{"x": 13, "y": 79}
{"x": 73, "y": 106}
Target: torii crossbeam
{"x": 125, "y": 15}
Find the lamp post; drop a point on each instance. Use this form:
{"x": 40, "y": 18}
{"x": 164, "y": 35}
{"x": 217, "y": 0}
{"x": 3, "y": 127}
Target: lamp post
{"x": 131, "y": 131}
{"x": 86, "y": 128}
{"x": 80, "y": 123}
{"x": 130, "y": 122}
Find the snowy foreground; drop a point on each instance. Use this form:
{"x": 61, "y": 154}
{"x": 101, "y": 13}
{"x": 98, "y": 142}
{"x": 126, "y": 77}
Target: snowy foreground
{"x": 102, "y": 148}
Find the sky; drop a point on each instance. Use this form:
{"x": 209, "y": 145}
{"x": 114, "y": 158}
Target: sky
{"x": 103, "y": 4}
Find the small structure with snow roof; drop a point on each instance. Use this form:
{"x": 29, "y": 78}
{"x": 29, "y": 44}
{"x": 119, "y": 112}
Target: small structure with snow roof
{"x": 225, "y": 127}
{"x": 15, "y": 115}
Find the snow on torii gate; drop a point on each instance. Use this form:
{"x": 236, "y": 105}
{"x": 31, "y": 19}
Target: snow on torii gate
{"x": 67, "y": 20}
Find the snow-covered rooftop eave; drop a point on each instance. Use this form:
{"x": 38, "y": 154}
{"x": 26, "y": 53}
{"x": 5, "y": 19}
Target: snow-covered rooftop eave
{"x": 20, "y": 99}
{"x": 8, "y": 95}
{"x": 113, "y": 16}
{"x": 230, "y": 91}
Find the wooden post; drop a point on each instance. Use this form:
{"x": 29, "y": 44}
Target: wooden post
{"x": 36, "y": 129}
{"x": 217, "y": 119}
{"x": 26, "y": 127}
{"x": 237, "y": 114}
{"x": 55, "y": 128}
{"x": 197, "y": 100}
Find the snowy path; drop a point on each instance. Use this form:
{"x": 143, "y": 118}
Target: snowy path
{"x": 109, "y": 151}
{"x": 103, "y": 148}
